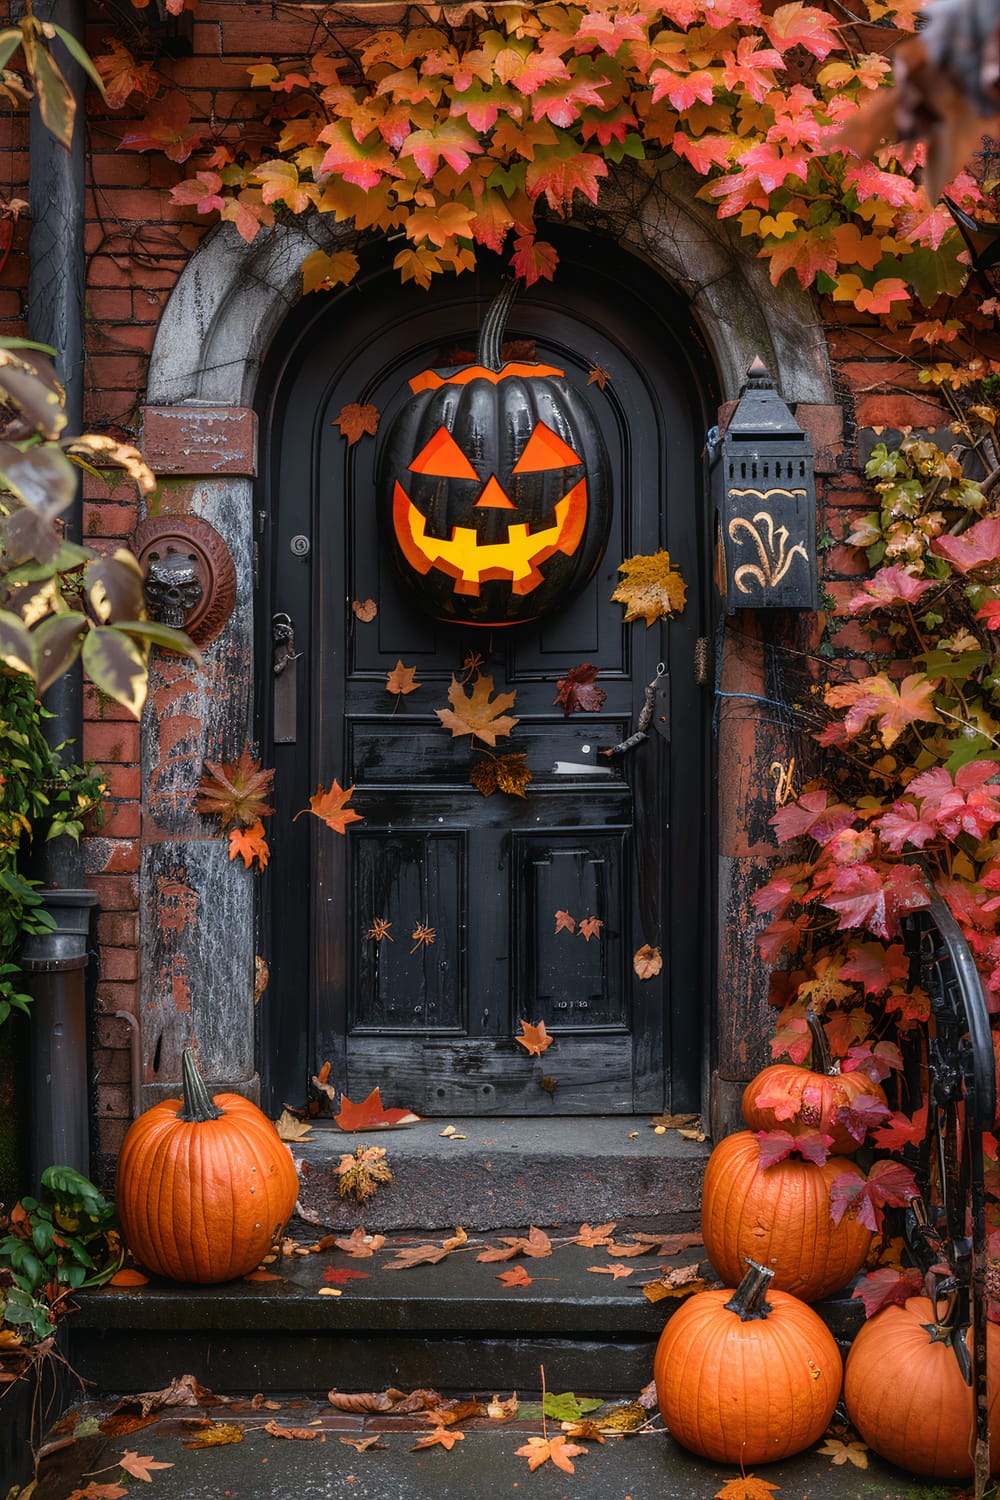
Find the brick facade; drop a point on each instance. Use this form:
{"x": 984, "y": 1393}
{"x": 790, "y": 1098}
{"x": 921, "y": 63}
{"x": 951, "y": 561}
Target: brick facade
{"x": 137, "y": 245}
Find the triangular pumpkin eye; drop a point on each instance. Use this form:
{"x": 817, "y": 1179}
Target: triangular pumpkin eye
{"x": 545, "y": 450}
{"x": 442, "y": 458}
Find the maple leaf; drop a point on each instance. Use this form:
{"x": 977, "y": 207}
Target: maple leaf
{"x": 250, "y": 844}
{"x": 291, "y": 1128}
{"x": 95, "y": 1491}
{"x": 564, "y": 922}
{"x": 534, "y": 1038}
{"x": 855, "y": 1452}
{"x": 876, "y": 965}
{"x": 516, "y": 1276}
{"x": 791, "y": 1038}
{"x": 300, "y": 1434}
{"x": 889, "y": 1183}
{"x": 537, "y": 1246}
{"x": 617, "y": 1271}
{"x": 775, "y": 1145}
{"x": 861, "y": 1115}
{"x": 888, "y": 588}
{"x": 878, "y": 698}
{"x": 164, "y": 128}
{"x": 502, "y": 773}
{"x": 359, "y": 1244}
{"x": 331, "y": 807}
{"x": 539, "y": 1450}
{"x": 591, "y": 1237}
{"x": 813, "y": 815}
{"x": 577, "y": 693}
{"x": 746, "y": 1487}
{"x": 341, "y": 1275}
{"x": 473, "y": 713}
{"x": 901, "y": 1131}
{"x": 424, "y": 1255}
{"x": 365, "y": 609}
{"x": 888, "y": 1285}
{"x": 123, "y": 75}
{"x": 361, "y": 1173}
{"x": 598, "y": 376}
{"x": 590, "y": 927}
{"x": 445, "y": 1436}
{"x": 235, "y": 791}
{"x": 647, "y": 961}
{"x": 651, "y": 588}
{"x": 904, "y": 825}
{"x": 370, "y": 1115}
{"x": 401, "y": 680}
{"x": 141, "y": 1467}
{"x": 355, "y": 420}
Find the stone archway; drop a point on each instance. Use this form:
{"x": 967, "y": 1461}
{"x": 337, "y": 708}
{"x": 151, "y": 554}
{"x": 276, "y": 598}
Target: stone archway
{"x": 199, "y": 434}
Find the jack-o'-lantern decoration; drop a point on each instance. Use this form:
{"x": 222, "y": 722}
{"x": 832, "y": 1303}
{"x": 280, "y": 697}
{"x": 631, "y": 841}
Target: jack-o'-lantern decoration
{"x": 494, "y": 487}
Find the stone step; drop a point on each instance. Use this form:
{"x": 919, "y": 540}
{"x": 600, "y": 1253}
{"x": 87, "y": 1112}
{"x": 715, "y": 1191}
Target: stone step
{"x": 452, "y": 1325}
{"x": 493, "y": 1172}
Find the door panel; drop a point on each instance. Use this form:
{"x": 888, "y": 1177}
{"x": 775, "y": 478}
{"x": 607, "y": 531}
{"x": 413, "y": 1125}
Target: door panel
{"x": 434, "y": 1022}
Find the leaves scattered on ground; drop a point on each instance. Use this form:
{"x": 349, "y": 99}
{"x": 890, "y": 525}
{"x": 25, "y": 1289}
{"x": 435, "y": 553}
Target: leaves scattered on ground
{"x": 291, "y": 1128}
{"x": 516, "y": 1276}
{"x": 746, "y": 1487}
{"x": 555, "y": 1450}
{"x": 445, "y": 1436}
{"x": 183, "y": 1390}
{"x": 360, "y": 1244}
{"x": 852, "y": 1452}
{"x": 216, "y": 1435}
{"x": 429, "y": 1254}
{"x": 618, "y": 1271}
{"x": 362, "y": 1445}
{"x": 370, "y": 1114}
{"x": 536, "y": 1246}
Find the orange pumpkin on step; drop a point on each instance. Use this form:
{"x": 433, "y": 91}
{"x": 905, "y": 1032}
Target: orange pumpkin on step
{"x": 204, "y": 1186}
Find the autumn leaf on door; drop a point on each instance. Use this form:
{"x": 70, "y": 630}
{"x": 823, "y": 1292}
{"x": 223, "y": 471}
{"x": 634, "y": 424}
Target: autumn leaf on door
{"x": 331, "y": 807}
{"x": 651, "y": 588}
{"x": 473, "y": 713}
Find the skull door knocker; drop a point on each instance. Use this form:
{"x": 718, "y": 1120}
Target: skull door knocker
{"x": 172, "y": 588}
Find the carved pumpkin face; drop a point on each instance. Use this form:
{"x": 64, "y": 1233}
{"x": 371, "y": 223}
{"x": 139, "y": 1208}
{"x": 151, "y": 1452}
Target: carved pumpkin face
{"x": 494, "y": 492}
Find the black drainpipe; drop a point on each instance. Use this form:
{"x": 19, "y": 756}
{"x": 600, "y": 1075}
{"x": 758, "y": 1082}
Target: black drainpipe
{"x": 56, "y": 961}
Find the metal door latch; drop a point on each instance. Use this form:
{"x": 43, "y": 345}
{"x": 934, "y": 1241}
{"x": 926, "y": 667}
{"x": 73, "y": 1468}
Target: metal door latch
{"x": 285, "y": 700}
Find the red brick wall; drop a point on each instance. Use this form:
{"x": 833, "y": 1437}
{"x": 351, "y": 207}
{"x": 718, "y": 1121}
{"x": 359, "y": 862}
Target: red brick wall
{"x": 137, "y": 243}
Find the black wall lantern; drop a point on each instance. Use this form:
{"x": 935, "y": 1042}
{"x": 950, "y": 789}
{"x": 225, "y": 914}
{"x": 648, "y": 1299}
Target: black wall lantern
{"x": 765, "y": 504}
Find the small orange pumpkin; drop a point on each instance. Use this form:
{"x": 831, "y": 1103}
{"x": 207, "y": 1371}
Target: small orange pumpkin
{"x": 906, "y": 1395}
{"x": 781, "y": 1216}
{"x": 808, "y": 1098}
{"x": 204, "y": 1187}
{"x": 746, "y": 1377}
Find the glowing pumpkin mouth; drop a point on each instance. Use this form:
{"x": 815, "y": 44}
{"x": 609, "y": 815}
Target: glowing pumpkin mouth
{"x": 472, "y": 562}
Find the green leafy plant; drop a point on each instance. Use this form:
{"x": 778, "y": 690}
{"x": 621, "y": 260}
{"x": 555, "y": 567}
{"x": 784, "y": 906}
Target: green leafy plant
{"x": 50, "y": 1247}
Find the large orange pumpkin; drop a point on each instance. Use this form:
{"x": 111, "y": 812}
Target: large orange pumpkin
{"x": 204, "y": 1186}
{"x": 493, "y": 487}
{"x": 746, "y": 1377}
{"x": 906, "y": 1396}
{"x": 780, "y": 1216}
{"x": 802, "y": 1099}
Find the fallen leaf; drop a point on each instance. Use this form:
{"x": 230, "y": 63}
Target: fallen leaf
{"x": 290, "y": 1128}
{"x": 365, "y": 609}
{"x": 341, "y": 1275}
{"x": 184, "y": 1390}
{"x": 567, "y": 1406}
{"x": 675, "y": 1122}
{"x": 647, "y": 961}
{"x": 329, "y": 1291}
{"x": 590, "y": 1237}
{"x": 501, "y": 773}
{"x": 322, "y": 1081}
{"x": 121, "y": 1424}
{"x": 534, "y": 1038}
{"x": 670, "y": 1244}
{"x": 577, "y": 692}
{"x": 301, "y": 1434}
{"x": 651, "y": 588}
{"x": 370, "y": 1115}
{"x": 401, "y": 680}
{"x": 359, "y": 1244}
{"x": 623, "y": 1249}
{"x": 629, "y": 1416}
{"x": 647, "y": 1397}
{"x": 539, "y": 1450}
{"x": 679, "y": 1283}
{"x": 590, "y": 927}
{"x": 855, "y": 1453}
{"x": 747, "y": 1487}
{"x": 389, "y": 1402}
{"x": 692, "y": 1135}
{"x": 355, "y": 420}
{"x": 331, "y": 807}
{"x": 420, "y": 1255}
{"x": 598, "y": 376}
{"x": 262, "y": 1276}
{"x": 260, "y": 1402}
{"x": 537, "y": 1246}
{"x": 474, "y": 714}
{"x": 502, "y": 1411}
{"x": 516, "y": 1276}
{"x": 128, "y": 1277}
{"x": 564, "y": 922}
{"x": 361, "y": 1173}
{"x": 140, "y": 1466}
{"x": 586, "y": 1428}
{"x": 617, "y": 1271}
{"x": 362, "y": 1445}
{"x": 448, "y": 1130}
{"x": 441, "y": 1435}
{"x": 94, "y": 1491}
{"x": 218, "y": 1435}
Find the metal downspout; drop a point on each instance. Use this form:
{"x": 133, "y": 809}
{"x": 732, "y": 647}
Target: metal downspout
{"x": 56, "y": 962}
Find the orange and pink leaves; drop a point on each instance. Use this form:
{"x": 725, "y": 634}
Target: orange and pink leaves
{"x": 331, "y": 808}
{"x": 370, "y": 1114}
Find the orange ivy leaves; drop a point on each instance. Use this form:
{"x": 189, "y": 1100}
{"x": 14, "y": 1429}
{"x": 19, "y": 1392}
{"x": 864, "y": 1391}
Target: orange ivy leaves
{"x": 454, "y": 134}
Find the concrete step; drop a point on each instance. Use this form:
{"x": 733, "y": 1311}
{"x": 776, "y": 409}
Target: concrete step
{"x": 493, "y": 1172}
{"x": 452, "y": 1325}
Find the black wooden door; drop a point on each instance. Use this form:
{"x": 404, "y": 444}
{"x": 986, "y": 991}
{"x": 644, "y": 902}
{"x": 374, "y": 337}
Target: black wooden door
{"x": 623, "y": 841}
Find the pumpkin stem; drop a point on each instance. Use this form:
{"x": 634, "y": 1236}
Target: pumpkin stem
{"x": 198, "y": 1103}
{"x": 489, "y": 352}
{"x": 820, "y": 1048}
{"x": 748, "y": 1299}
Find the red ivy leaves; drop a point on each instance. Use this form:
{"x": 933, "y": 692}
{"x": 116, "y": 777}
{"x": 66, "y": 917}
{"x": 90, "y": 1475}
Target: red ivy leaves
{"x": 888, "y": 1185}
{"x": 577, "y": 691}
{"x": 888, "y": 1285}
{"x": 775, "y": 1145}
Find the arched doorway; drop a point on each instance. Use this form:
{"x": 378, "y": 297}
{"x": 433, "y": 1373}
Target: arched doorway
{"x": 626, "y": 841}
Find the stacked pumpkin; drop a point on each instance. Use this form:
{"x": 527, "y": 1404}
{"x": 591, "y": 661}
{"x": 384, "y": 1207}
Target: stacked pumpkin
{"x": 753, "y": 1376}
{"x": 205, "y": 1185}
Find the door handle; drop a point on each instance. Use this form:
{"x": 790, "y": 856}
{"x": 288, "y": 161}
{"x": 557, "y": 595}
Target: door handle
{"x": 284, "y": 656}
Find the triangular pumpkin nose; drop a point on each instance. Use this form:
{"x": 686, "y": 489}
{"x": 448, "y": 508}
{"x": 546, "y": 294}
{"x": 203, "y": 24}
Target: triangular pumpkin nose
{"x": 493, "y": 495}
